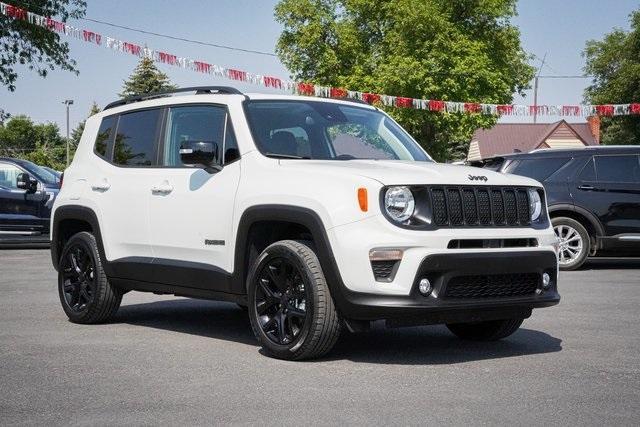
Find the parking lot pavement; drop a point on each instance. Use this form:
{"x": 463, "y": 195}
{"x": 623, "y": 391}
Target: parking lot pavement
{"x": 168, "y": 360}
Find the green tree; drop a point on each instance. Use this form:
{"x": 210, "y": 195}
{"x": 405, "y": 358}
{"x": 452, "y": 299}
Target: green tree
{"x": 614, "y": 63}
{"x": 146, "y": 78}
{"x": 40, "y": 143}
{"x": 36, "y": 47}
{"x": 464, "y": 50}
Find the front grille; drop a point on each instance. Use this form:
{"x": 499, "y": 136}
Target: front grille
{"x": 491, "y": 243}
{"x": 383, "y": 270}
{"x": 491, "y": 286}
{"x": 480, "y": 206}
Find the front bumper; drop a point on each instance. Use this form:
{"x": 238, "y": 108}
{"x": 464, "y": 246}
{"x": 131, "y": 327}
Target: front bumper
{"x": 414, "y": 308}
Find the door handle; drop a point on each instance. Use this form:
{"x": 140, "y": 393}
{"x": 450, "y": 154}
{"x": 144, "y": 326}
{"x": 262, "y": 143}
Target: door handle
{"x": 102, "y": 186}
{"x": 586, "y": 187}
{"x": 164, "y": 188}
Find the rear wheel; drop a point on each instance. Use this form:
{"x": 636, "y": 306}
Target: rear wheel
{"x": 85, "y": 292}
{"x": 490, "y": 330}
{"x": 574, "y": 242}
{"x": 290, "y": 307}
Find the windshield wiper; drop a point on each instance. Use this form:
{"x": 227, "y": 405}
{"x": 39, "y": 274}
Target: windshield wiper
{"x": 284, "y": 156}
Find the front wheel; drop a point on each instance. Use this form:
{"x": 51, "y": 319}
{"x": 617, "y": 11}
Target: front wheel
{"x": 490, "y": 330}
{"x": 291, "y": 310}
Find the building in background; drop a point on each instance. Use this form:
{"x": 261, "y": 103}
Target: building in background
{"x": 508, "y": 138}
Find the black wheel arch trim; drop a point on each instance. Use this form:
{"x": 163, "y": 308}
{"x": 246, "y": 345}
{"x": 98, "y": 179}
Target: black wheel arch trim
{"x": 593, "y": 220}
{"x": 75, "y": 212}
{"x": 296, "y": 215}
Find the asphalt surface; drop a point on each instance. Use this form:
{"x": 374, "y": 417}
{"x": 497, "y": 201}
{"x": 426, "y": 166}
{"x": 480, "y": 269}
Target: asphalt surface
{"x": 167, "y": 360}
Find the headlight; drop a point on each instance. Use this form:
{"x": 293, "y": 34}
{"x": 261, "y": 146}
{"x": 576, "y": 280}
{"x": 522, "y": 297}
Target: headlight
{"x": 535, "y": 204}
{"x": 399, "y": 203}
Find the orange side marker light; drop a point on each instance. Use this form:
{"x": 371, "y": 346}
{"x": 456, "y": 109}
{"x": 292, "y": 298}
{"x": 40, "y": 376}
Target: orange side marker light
{"x": 363, "y": 199}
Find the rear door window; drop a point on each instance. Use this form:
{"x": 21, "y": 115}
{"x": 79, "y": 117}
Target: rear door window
{"x": 136, "y": 138}
{"x": 621, "y": 168}
{"x": 538, "y": 169}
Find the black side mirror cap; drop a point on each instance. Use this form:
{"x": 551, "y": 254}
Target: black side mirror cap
{"x": 24, "y": 181}
{"x": 201, "y": 154}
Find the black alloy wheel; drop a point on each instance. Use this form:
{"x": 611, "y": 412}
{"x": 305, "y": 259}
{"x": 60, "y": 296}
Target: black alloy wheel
{"x": 78, "y": 275}
{"x": 85, "y": 292}
{"x": 281, "y": 301}
{"x": 291, "y": 310}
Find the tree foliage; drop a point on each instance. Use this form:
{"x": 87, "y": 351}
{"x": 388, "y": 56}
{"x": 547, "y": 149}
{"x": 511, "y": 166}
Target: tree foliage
{"x": 614, "y": 63}
{"x": 146, "y": 78}
{"x": 41, "y": 143}
{"x": 464, "y": 50}
{"x": 23, "y": 43}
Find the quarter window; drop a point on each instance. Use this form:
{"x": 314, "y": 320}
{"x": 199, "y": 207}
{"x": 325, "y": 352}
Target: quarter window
{"x": 136, "y": 137}
{"x": 617, "y": 168}
{"x": 102, "y": 139}
{"x": 204, "y": 123}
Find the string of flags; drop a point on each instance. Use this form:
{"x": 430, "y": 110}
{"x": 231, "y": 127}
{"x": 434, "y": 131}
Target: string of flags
{"x": 310, "y": 89}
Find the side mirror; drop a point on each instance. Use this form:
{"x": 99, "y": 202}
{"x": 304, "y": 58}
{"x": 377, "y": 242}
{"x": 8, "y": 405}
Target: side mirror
{"x": 200, "y": 154}
{"x": 24, "y": 181}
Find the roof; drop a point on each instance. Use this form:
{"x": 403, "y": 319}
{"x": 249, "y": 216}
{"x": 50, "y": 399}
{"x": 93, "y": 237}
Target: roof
{"x": 507, "y": 138}
{"x": 591, "y": 150}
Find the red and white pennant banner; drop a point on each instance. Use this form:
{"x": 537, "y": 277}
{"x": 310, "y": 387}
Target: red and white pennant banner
{"x": 310, "y": 89}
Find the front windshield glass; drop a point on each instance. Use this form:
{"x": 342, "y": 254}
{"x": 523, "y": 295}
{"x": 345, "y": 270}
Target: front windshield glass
{"x": 328, "y": 131}
{"x": 41, "y": 174}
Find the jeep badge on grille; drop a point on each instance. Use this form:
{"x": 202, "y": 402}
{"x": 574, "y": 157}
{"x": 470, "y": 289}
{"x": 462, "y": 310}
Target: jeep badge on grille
{"x": 478, "y": 178}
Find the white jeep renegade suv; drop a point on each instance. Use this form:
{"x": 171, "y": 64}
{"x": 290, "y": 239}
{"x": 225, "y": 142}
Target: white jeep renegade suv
{"x": 316, "y": 214}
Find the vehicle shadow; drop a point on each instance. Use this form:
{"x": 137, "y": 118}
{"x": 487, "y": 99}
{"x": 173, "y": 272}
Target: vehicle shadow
{"x": 210, "y": 319}
{"x": 426, "y": 345}
{"x": 611, "y": 264}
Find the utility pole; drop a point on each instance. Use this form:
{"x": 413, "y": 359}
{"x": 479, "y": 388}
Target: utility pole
{"x": 535, "y": 90}
{"x": 68, "y": 102}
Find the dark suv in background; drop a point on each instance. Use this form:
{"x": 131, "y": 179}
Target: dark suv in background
{"x": 27, "y": 192}
{"x": 593, "y": 195}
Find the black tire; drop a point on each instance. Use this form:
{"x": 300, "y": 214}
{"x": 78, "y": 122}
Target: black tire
{"x": 580, "y": 259}
{"x": 97, "y": 300}
{"x": 297, "y": 282}
{"x": 490, "y": 330}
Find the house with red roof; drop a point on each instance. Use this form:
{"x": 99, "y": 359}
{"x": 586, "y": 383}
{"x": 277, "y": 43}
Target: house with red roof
{"x": 509, "y": 138}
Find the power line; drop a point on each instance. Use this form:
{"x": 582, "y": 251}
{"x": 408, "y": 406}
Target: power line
{"x": 220, "y": 46}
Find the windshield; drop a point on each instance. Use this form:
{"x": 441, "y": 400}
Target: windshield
{"x": 41, "y": 174}
{"x": 328, "y": 131}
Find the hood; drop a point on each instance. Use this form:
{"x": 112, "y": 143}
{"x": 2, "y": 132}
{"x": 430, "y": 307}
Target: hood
{"x": 396, "y": 172}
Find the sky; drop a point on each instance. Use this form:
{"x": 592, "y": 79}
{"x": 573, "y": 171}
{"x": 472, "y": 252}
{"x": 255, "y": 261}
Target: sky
{"x": 557, "y": 28}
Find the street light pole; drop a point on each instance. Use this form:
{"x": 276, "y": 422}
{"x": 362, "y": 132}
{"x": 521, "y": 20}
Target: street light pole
{"x": 68, "y": 102}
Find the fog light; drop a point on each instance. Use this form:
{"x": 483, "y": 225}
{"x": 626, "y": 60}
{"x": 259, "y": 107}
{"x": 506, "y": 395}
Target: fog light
{"x": 546, "y": 280}
{"x": 424, "y": 286}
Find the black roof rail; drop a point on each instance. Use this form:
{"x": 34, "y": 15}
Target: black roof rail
{"x": 226, "y": 90}
{"x": 349, "y": 99}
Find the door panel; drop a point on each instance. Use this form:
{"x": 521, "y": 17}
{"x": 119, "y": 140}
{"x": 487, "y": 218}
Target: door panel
{"x": 191, "y": 210}
{"x": 121, "y": 189}
{"x": 609, "y": 186}
{"x": 19, "y": 210}
{"x": 193, "y": 222}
